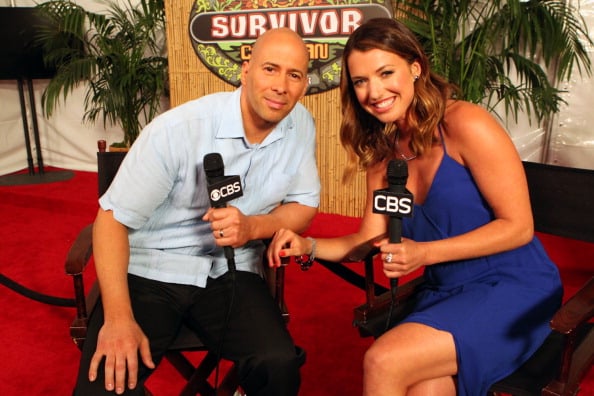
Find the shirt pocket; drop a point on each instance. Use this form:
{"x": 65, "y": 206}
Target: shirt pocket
{"x": 264, "y": 191}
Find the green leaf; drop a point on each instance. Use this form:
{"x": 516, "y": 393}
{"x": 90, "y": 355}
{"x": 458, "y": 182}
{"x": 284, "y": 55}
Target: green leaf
{"x": 118, "y": 55}
{"x": 511, "y": 52}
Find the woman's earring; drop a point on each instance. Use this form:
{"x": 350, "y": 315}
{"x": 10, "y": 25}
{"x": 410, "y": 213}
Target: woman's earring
{"x": 416, "y": 77}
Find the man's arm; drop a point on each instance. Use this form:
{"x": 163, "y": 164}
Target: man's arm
{"x": 120, "y": 339}
{"x": 292, "y": 215}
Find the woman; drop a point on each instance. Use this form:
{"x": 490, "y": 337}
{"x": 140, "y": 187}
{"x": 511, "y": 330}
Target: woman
{"x": 491, "y": 289}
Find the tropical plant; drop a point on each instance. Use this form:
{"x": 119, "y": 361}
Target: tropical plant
{"x": 117, "y": 54}
{"x": 502, "y": 51}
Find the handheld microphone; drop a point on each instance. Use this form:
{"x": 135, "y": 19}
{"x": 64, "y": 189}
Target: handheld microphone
{"x": 221, "y": 189}
{"x": 395, "y": 202}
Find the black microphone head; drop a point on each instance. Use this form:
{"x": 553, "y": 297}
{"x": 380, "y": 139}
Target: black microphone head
{"x": 397, "y": 172}
{"x": 213, "y": 165}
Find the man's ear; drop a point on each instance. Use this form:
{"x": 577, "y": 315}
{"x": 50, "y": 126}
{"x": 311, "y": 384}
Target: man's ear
{"x": 307, "y": 83}
{"x": 244, "y": 71}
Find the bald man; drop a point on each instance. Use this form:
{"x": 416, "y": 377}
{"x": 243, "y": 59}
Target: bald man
{"x": 158, "y": 245}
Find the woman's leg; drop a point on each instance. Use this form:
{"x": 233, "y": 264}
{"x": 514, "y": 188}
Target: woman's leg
{"x": 443, "y": 386}
{"x": 410, "y": 358}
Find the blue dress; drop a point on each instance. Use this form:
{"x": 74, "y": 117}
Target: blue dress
{"x": 496, "y": 307}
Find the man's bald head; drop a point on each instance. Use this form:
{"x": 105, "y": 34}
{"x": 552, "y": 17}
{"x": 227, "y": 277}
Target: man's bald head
{"x": 282, "y": 35}
{"x": 273, "y": 81}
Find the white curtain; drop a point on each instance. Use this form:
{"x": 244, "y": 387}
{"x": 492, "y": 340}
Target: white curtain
{"x": 65, "y": 142}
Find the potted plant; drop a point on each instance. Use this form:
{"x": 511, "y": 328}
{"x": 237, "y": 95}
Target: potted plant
{"x": 118, "y": 55}
{"x": 512, "y": 52}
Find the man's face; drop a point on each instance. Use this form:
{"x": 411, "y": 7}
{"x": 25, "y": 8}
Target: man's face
{"x": 274, "y": 80}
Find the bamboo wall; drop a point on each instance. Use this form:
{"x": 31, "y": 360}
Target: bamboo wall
{"x": 190, "y": 79}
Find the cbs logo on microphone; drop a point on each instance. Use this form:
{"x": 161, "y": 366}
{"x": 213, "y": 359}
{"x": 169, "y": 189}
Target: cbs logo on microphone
{"x": 225, "y": 192}
{"x": 390, "y": 203}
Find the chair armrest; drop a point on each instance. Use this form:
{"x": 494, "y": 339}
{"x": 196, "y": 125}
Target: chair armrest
{"x": 370, "y": 318}
{"x": 571, "y": 321}
{"x": 380, "y": 305}
{"x": 364, "y": 250}
{"x": 78, "y": 256}
{"x": 80, "y": 252}
{"x": 84, "y": 305}
{"x": 577, "y": 310}
{"x": 275, "y": 279}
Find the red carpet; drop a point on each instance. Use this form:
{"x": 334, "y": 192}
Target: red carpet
{"x": 38, "y": 358}
{"x": 39, "y": 222}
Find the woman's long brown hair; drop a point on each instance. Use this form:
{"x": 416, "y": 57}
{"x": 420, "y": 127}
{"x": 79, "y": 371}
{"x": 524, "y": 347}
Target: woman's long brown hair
{"x": 366, "y": 139}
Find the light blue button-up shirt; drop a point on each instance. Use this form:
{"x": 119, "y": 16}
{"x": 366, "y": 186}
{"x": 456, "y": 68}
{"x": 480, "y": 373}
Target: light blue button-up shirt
{"x": 160, "y": 191}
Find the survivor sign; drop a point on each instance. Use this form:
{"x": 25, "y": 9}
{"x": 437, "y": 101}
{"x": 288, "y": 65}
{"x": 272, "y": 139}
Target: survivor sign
{"x": 222, "y": 32}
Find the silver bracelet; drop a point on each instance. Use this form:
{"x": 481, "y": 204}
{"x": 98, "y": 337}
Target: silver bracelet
{"x": 306, "y": 262}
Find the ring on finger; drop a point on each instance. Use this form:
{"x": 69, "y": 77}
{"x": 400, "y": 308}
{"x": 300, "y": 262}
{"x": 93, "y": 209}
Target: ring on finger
{"x": 221, "y": 234}
{"x": 389, "y": 258}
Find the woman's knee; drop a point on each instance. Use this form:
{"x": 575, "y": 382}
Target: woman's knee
{"x": 378, "y": 359}
{"x": 411, "y": 353}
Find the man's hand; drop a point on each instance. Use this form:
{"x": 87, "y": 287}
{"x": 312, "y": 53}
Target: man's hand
{"x": 230, "y": 226}
{"x": 120, "y": 344}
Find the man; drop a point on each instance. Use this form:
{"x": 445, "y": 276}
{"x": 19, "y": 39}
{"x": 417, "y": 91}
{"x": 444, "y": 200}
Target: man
{"x": 158, "y": 244}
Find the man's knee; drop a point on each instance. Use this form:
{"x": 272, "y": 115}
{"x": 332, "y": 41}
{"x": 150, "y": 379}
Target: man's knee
{"x": 273, "y": 373}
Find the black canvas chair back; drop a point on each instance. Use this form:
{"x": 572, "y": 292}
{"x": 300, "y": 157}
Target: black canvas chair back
{"x": 108, "y": 164}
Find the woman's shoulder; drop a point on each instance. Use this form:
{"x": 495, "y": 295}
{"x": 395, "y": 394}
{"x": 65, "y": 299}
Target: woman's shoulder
{"x": 471, "y": 128}
{"x": 463, "y": 111}
{"x": 376, "y": 175}
{"x": 462, "y": 117}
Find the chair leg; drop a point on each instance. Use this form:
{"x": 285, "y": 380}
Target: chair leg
{"x": 230, "y": 383}
{"x": 181, "y": 364}
{"x": 197, "y": 383}
{"x": 198, "y": 377}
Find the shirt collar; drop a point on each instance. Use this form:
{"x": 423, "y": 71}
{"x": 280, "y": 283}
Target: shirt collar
{"x": 231, "y": 126}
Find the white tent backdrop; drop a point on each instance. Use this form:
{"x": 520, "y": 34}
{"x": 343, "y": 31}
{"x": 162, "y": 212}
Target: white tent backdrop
{"x": 67, "y": 143}
{"x": 572, "y": 139}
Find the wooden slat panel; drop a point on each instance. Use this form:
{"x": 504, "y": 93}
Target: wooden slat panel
{"x": 190, "y": 79}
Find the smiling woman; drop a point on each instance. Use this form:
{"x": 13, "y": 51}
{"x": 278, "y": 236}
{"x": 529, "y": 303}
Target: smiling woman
{"x": 470, "y": 233}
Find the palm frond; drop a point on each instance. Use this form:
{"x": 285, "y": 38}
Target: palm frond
{"x": 117, "y": 54}
{"x": 478, "y": 45}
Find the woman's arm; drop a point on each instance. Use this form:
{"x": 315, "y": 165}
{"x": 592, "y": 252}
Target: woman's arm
{"x": 288, "y": 243}
{"x": 476, "y": 140}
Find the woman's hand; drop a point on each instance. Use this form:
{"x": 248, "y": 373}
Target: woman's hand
{"x": 400, "y": 259}
{"x": 286, "y": 243}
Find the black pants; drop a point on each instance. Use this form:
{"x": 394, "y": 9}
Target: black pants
{"x": 255, "y": 336}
